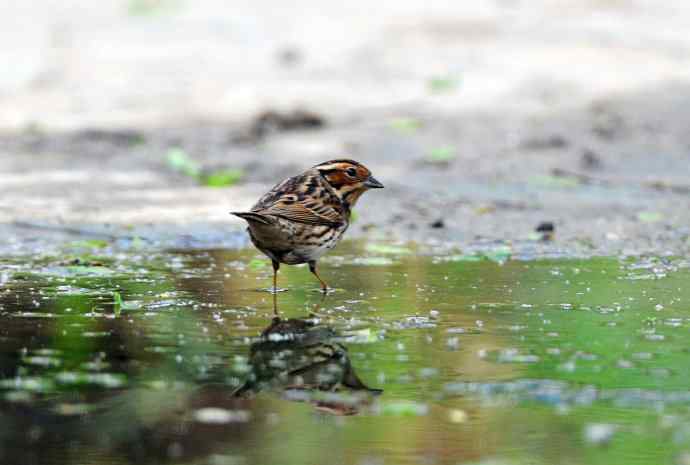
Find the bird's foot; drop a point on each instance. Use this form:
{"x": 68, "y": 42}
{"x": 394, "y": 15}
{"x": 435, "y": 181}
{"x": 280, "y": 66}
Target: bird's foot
{"x": 327, "y": 290}
{"x": 274, "y": 290}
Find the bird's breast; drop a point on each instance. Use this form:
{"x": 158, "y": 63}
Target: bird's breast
{"x": 291, "y": 242}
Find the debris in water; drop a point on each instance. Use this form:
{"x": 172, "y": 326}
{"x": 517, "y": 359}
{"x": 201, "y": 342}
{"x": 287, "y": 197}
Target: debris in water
{"x": 219, "y": 416}
{"x": 599, "y": 433}
{"x": 457, "y": 416}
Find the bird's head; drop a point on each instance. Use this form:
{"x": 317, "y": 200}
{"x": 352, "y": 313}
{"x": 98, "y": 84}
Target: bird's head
{"x": 348, "y": 178}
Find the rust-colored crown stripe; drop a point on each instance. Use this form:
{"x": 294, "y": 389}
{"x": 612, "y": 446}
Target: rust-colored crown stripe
{"x": 345, "y": 161}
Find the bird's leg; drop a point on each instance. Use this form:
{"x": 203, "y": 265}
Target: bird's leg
{"x": 276, "y": 267}
{"x": 312, "y": 268}
{"x": 317, "y": 307}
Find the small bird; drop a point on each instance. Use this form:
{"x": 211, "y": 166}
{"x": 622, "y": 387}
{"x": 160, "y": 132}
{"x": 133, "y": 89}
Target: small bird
{"x": 304, "y": 216}
{"x": 293, "y": 355}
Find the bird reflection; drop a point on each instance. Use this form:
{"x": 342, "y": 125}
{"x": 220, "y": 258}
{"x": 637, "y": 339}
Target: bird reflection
{"x": 305, "y": 361}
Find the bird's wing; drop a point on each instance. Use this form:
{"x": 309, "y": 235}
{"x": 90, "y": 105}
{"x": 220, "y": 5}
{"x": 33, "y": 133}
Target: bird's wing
{"x": 304, "y": 211}
{"x": 303, "y": 199}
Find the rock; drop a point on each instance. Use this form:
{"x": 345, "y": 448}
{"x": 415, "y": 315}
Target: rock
{"x": 590, "y": 160}
{"x": 553, "y": 141}
{"x": 547, "y": 230}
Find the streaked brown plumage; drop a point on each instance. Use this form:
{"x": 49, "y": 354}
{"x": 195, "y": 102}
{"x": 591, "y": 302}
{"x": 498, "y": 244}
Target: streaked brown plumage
{"x": 298, "y": 355}
{"x": 305, "y": 216}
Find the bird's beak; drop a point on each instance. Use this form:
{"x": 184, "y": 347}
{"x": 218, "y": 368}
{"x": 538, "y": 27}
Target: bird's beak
{"x": 372, "y": 183}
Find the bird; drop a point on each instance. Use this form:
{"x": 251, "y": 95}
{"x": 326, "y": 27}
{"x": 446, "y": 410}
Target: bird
{"x": 299, "y": 355}
{"x": 303, "y": 217}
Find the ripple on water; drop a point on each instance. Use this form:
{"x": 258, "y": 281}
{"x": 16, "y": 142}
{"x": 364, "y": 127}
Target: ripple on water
{"x": 461, "y": 345}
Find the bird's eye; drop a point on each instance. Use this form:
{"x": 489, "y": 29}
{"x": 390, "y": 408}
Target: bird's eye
{"x": 351, "y": 172}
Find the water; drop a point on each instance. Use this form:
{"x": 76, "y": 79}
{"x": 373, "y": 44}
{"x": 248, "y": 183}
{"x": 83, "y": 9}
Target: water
{"x": 126, "y": 356}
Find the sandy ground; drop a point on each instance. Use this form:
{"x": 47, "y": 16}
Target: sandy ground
{"x": 574, "y": 112}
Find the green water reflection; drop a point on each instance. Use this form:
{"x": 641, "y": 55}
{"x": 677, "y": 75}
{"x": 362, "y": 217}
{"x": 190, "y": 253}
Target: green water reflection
{"x": 175, "y": 357}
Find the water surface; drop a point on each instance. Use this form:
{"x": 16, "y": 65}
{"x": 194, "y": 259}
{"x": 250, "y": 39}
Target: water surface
{"x": 126, "y": 356}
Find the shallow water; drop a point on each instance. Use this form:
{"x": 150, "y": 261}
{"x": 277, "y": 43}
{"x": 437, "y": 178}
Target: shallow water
{"x": 123, "y": 356}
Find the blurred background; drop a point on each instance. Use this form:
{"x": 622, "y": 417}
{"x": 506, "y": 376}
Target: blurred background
{"x": 483, "y": 119}
{"x": 129, "y": 129}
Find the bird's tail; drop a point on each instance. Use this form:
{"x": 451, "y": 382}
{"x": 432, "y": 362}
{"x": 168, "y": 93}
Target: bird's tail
{"x": 250, "y": 216}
